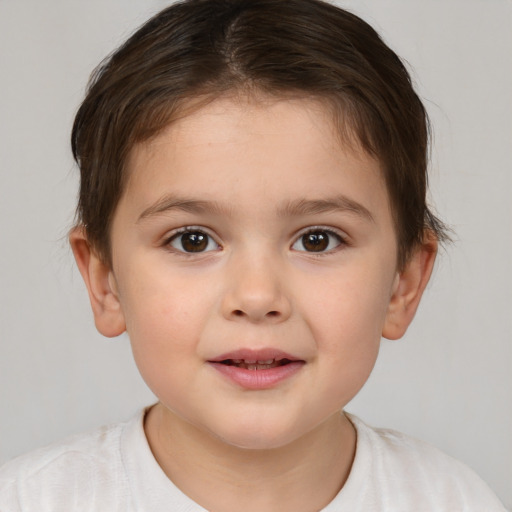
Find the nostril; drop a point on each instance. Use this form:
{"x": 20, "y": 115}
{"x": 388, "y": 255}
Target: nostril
{"x": 270, "y": 314}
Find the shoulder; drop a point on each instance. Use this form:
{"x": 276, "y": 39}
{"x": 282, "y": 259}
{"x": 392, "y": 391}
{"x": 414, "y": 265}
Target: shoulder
{"x": 58, "y": 476}
{"x": 410, "y": 472}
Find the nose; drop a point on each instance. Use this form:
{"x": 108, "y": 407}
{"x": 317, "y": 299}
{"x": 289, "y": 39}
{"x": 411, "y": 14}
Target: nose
{"x": 256, "y": 292}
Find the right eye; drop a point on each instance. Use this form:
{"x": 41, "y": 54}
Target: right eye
{"x": 190, "y": 241}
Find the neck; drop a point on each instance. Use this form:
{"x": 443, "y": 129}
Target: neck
{"x": 305, "y": 474}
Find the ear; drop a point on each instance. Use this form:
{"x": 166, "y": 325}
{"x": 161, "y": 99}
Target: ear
{"x": 101, "y": 285}
{"x": 408, "y": 289}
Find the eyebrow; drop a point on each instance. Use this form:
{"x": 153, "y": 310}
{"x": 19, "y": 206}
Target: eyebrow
{"x": 339, "y": 203}
{"x": 298, "y": 207}
{"x": 170, "y": 202}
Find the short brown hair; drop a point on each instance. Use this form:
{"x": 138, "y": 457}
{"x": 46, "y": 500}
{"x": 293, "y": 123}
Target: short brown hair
{"x": 207, "y": 48}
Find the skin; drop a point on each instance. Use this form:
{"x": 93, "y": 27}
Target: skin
{"x": 254, "y": 176}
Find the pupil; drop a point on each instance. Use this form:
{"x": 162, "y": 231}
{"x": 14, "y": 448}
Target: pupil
{"x": 194, "y": 242}
{"x": 316, "y": 242}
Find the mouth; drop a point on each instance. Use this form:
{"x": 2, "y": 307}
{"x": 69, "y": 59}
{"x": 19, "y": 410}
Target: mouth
{"x": 256, "y": 364}
{"x": 257, "y": 369}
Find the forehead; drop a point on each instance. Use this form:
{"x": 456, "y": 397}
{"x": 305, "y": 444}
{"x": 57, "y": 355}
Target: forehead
{"x": 242, "y": 114}
{"x": 289, "y": 147}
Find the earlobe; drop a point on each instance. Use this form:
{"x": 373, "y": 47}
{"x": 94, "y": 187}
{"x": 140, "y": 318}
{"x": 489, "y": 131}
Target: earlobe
{"x": 101, "y": 286}
{"x": 408, "y": 289}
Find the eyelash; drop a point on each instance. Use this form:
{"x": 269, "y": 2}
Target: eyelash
{"x": 331, "y": 234}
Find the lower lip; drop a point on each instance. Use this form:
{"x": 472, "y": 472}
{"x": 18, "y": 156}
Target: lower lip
{"x": 258, "y": 379}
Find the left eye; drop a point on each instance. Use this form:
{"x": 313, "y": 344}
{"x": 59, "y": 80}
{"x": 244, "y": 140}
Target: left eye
{"x": 318, "y": 240}
{"x": 193, "y": 241}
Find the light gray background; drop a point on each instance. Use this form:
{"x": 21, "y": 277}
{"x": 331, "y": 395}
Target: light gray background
{"x": 448, "y": 382}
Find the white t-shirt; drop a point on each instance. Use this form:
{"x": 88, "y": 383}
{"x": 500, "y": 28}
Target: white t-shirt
{"x": 112, "y": 469}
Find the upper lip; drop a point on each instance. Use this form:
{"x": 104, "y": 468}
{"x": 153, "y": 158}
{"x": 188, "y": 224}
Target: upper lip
{"x": 247, "y": 354}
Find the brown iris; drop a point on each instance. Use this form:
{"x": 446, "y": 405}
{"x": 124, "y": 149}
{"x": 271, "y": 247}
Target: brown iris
{"x": 194, "y": 241}
{"x": 316, "y": 241}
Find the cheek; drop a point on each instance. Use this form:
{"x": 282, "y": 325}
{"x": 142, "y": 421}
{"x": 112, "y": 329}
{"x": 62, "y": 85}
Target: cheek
{"x": 352, "y": 308}
{"x": 164, "y": 335}
{"x": 346, "y": 316}
{"x": 348, "y": 334}
{"x": 165, "y": 315}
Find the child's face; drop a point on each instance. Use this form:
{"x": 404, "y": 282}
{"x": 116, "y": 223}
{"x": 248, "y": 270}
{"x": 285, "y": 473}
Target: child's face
{"x": 295, "y": 258}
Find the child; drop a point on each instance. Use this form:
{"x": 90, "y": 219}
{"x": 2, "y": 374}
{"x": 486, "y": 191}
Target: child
{"x": 252, "y": 212}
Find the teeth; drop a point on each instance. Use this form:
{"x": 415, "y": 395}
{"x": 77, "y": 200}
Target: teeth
{"x": 253, "y": 361}
{"x": 255, "y": 364}
{"x": 259, "y": 366}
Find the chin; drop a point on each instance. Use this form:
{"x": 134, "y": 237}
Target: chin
{"x": 258, "y": 436}
{"x": 256, "y": 442}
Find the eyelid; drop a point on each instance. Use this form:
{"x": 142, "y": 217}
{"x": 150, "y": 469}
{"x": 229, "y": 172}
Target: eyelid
{"x": 337, "y": 233}
{"x": 169, "y": 237}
